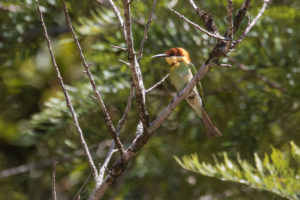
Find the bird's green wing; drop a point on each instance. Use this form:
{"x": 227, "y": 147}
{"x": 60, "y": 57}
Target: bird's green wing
{"x": 199, "y": 86}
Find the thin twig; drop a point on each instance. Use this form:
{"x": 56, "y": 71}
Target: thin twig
{"x": 197, "y": 26}
{"x": 119, "y": 127}
{"x": 124, "y": 62}
{"x": 111, "y": 151}
{"x": 140, "y": 54}
{"x": 118, "y": 47}
{"x": 270, "y": 83}
{"x": 83, "y": 186}
{"x": 163, "y": 93}
{"x": 74, "y": 116}
{"x": 253, "y": 72}
{"x": 254, "y": 21}
{"x": 224, "y": 65}
{"x": 118, "y": 15}
{"x": 53, "y": 181}
{"x": 48, "y": 162}
{"x": 127, "y": 108}
{"x": 108, "y": 120}
{"x": 229, "y": 86}
{"x": 158, "y": 83}
{"x": 133, "y": 62}
{"x": 31, "y": 166}
{"x": 207, "y": 18}
{"x": 94, "y": 98}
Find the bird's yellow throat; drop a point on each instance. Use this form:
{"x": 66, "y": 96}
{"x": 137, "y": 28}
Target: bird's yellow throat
{"x": 174, "y": 61}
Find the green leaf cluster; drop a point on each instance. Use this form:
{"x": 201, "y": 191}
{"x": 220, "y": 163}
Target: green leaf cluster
{"x": 278, "y": 172}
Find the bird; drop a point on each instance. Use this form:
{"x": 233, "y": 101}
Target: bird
{"x": 182, "y": 71}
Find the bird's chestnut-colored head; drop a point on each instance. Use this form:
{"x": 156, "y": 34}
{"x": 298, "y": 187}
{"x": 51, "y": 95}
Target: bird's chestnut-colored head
{"x": 176, "y": 55}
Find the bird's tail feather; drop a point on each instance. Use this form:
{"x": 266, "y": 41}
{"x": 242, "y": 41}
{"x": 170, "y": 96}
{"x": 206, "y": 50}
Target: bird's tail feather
{"x": 211, "y": 130}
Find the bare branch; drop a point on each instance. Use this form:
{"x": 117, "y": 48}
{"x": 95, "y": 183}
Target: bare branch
{"x": 229, "y": 18}
{"x": 135, "y": 68}
{"x": 224, "y": 65}
{"x": 253, "y": 72}
{"x": 82, "y": 187}
{"x": 119, "y": 167}
{"x": 53, "y": 180}
{"x": 133, "y": 62}
{"x": 254, "y": 21}
{"x": 229, "y": 86}
{"x": 197, "y": 26}
{"x": 140, "y": 54}
{"x": 118, "y": 15}
{"x": 111, "y": 151}
{"x": 108, "y": 120}
{"x": 163, "y": 93}
{"x": 124, "y": 62}
{"x": 270, "y": 83}
{"x": 74, "y": 116}
{"x": 119, "y": 127}
{"x": 28, "y": 167}
{"x": 48, "y": 162}
{"x": 117, "y": 47}
{"x": 158, "y": 83}
{"x": 127, "y": 108}
{"x": 207, "y": 18}
{"x": 240, "y": 15}
{"x": 94, "y": 98}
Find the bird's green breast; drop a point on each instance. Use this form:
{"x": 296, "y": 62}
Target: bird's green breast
{"x": 180, "y": 75}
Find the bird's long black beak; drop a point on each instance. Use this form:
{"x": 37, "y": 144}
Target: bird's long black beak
{"x": 160, "y": 55}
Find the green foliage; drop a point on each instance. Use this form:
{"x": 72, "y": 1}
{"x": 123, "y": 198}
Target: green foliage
{"x": 278, "y": 172}
{"x": 35, "y": 124}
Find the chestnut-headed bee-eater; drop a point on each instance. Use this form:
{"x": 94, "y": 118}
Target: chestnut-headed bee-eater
{"x": 182, "y": 71}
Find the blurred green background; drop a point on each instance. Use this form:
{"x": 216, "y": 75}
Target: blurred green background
{"x": 35, "y": 125}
